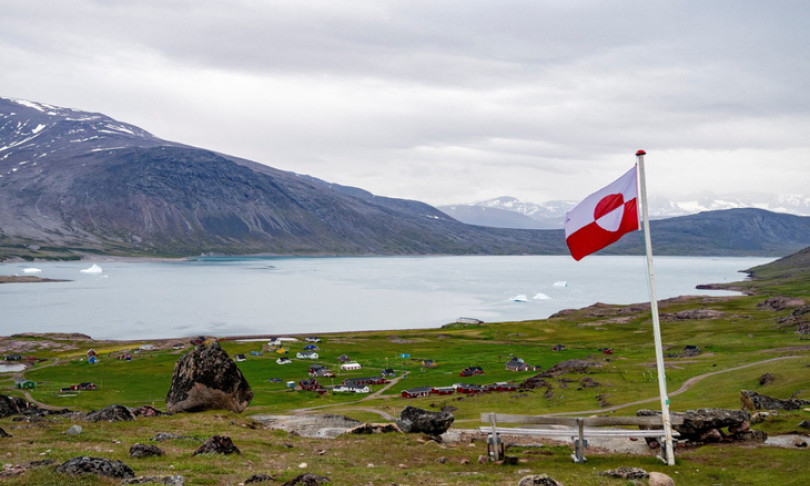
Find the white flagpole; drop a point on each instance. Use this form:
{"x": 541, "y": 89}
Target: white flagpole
{"x": 659, "y": 356}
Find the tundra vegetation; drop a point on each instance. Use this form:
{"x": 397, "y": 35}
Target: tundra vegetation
{"x": 738, "y": 338}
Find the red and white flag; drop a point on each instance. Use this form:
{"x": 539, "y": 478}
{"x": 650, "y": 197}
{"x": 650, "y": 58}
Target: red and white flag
{"x": 603, "y": 217}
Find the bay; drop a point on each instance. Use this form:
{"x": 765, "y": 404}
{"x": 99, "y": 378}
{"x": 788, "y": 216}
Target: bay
{"x": 248, "y": 296}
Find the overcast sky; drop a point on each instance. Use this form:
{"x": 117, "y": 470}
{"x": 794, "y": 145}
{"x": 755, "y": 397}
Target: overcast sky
{"x": 443, "y": 101}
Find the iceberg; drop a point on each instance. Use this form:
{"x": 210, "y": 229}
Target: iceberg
{"x": 94, "y": 269}
{"x": 561, "y": 283}
{"x": 541, "y": 296}
{"x": 519, "y": 298}
{"x": 32, "y": 270}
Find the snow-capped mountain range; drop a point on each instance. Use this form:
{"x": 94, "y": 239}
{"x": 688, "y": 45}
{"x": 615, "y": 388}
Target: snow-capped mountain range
{"x": 510, "y": 212}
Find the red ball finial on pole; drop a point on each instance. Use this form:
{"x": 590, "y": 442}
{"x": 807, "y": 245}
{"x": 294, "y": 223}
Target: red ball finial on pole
{"x": 641, "y": 152}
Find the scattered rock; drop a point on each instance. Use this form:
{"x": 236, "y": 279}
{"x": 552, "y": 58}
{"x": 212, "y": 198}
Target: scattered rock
{"x": 711, "y": 436}
{"x": 799, "y": 441}
{"x": 96, "y": 465}
{"x": 207, "y": 378}
{"x": 74, "y": 430}
{"x": 752, "y": 400}
{"x": 175, "y": 480}
{"x": 660, "y": 479}
{"x": 625, "y": 472}
{"x": 766, "y": 379}
{"x": 415, "y": 420}
{"x": 538, "y": 480}
{"x": 145, "y": 450}
{"x": 759, "y": 417}
{"x": 3, "y": 433}
{"x": 742, "y": 427}
{"x": 690, "y": 314}
{"x": 374, "y": 429}
{"x": 218, "y": 444}
{"x": 780, "y": 303}
{"x": 441, "y": 460}
{"x": 148, "y": 411}
{"x": 10, "y": 470}
{"x": 570, "y": 366}
{"x": 804, "y": 424}
{"x": 307, "y": 479}
{"x": 588, "y": 382}
{"x": 112, "y": 413}
{"x": 696, "y": 423}
{"x": 259, "y": 478}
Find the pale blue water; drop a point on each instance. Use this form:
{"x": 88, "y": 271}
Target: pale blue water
{"x": 241, "y": 296}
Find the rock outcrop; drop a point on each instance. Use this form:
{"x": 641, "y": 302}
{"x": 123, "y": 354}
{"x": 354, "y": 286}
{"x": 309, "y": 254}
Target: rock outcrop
{"x": 96, "y": 465}
{"x": 206, "y": 378}
{"x": 145, "y": 450}
{"x": 415, "y": 420}
{"x": 707, "y": 425}
{"x": 112, "y": 413}
{"x": 218, "y": 444}
{"x": 752, "y": 400}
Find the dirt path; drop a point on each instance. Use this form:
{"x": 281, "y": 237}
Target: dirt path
{"x": 686, "y": 386}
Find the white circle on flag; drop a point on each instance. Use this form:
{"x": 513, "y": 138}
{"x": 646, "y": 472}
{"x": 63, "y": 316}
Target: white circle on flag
{"x": 609, "y": 212}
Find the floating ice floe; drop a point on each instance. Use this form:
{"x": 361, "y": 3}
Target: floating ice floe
{"x": 561, "y": 283}
{"x": 541, "y": 296}
{"x": 519, "y": 298}
{"x": 32, "y": 270}
{"x": 95, "y": 269}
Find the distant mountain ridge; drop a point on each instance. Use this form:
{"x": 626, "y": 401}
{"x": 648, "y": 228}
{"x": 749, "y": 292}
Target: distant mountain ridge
{"x": 75, "y": 183}
{"x": 501, "y": 212}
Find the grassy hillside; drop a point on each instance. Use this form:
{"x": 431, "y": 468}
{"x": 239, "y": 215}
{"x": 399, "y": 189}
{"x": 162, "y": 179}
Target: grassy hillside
{"x": 741, "y": 338}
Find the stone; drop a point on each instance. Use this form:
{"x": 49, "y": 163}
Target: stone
{"x": 218, "y": 444}
{"x": 164, "y": 436}
{"x": 740, "y": 428}
{"x": 415, "y": 420}
{"x": 148, "y": 411}
{"x": 697, "y": 422}
{"x": 112, "y": 413}
{"x": 625, "y": 472}
{"x": 804, "y": 424}
{"x": 96, "y": 465}
{"x": 259, "y": 478}
{"x": 751, "y": 436}
{"x": 3, "y": 433}
{"x": 374, "y": 429}
{"x": 799, "y": 441}
{"x": 175, "y": 480}
{"x": 752, "y": 400}
{"x": 538, "y": 480}
{"x": 74, "y": 430}
{"x": 207, "y": 378}
{"x": 660, "y": 479}
{"x": 571, "y": 366}
{"x": 12, "y": 406}
{"x": 145, "y": 450}
{"x": 766, "y": 379}
{"x": 307, "y": 479}
{"x": 711, "y": 436}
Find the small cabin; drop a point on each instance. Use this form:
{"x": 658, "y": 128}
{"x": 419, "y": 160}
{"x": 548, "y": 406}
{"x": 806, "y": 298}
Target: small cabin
{"x": 422, "y": 391}
{"x": 239, "y": 357}
{"x": 307, "y": 355}
{"x": 442, "y": 390}
{"x": 517, "y": 364}
{"x": 343, "y": 358}
{"x": 24, "y": 384}
{"x": 350, "y": 366}
{"x": 283, "y": 360}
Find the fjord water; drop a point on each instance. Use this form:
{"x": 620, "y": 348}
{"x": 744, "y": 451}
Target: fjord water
{"x": 246, "y": 296}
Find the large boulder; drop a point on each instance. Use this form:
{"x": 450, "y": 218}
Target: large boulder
{"x": 96, "y": 465}
{"x": 218, "y": 444}
{"x": 112, "y": 413}
{"x": 12, "y": 406}
{"x": 697, "y": 423}
{"x": 207, "y": 378}
{"x": 752, "y": 400}
{"x": 416, "y": 420}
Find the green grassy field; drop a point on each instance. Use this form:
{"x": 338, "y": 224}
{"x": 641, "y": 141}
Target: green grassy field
{"x": 737, "y": 343}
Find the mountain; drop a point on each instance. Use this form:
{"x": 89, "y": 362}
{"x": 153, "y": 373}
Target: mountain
{"x": 509, "y": 212}
{"x": 78, "y": 182}
{"x": 74, "y": 183}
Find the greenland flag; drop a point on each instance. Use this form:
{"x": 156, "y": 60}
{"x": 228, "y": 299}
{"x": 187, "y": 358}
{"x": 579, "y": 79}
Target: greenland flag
{"x": 603, "y": 217}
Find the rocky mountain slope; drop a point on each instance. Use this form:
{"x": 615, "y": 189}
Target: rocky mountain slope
{"x": 73, "y": 183}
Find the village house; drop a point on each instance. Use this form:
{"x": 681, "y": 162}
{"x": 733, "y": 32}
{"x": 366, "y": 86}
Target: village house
{"x": 421, "y": 391}
{"x": 24, "y": 384}
{"x": 351, "y": 389}
{"x": 343, "y": 358}
{"x": 283, "y": 360}
{"x": 442, "y": 390}
{"x": 368, "y": 380}
{"x": 468, "y": 389}
{"x": 86, "y": 386}
{"x": 312, "y": 385}
{"x": 307, "y": 355}
{"x": 517, "y": 364}
{"x": 13, "y": 357}
{"x": 317, "y": 370}
{"x": 472, "y": 370}
{"x": 239, "y": 357}
{"x": 388, "y": 373}
{"x": 350, "y": 366}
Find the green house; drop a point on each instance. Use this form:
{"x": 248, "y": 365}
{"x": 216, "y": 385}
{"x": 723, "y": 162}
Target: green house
{"x": 24, "y": 384}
